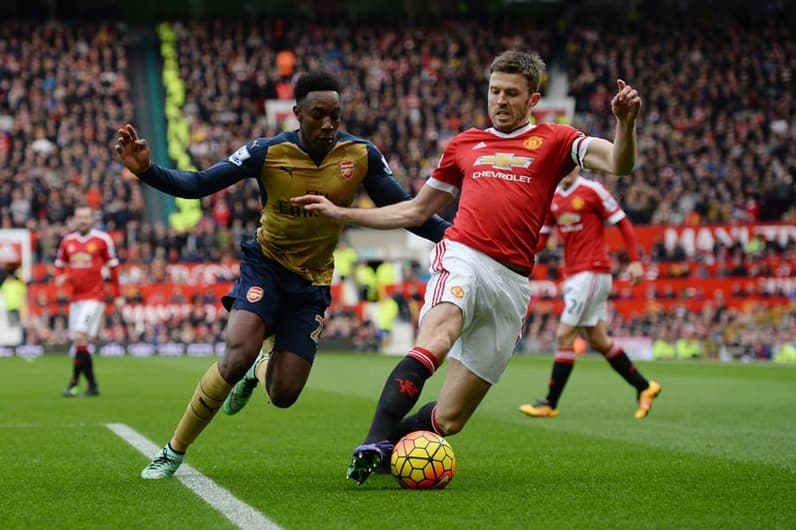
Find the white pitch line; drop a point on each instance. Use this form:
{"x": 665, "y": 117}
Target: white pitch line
{"x": 241, "y": 514}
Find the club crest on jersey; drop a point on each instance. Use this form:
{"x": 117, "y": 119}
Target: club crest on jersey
{"x": 347, "y": 169}
{"x": 533, "y": 142}
{"x": 578, "y": 203}
{"x": 503, "y": 161}
{"x": 91, "y": 247}
{"x": 457, "y": 291}
{"x": 254, "y": 294}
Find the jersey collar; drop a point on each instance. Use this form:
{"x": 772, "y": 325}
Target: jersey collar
{"x": 572, "y": 188}
{"x": 512, "y": 134}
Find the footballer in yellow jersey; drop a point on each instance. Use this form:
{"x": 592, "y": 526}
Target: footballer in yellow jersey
{"x": 286, "y": 271}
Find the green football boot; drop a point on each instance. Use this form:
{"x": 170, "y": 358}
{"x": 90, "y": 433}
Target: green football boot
{"x": 243, "y": 389}
{"x": 163, "y": 465}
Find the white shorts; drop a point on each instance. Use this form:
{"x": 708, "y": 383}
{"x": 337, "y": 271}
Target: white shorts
{"x": 85, "y": 316}
{"x": 493, "y": 299}
{"x": 585, "y": 296}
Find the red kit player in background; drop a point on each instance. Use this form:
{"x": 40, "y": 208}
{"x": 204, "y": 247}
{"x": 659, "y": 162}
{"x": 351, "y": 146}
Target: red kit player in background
{"x": 81, "y": 257}
{"x": 478, "y": 293}
{"x": 579, "y": 210}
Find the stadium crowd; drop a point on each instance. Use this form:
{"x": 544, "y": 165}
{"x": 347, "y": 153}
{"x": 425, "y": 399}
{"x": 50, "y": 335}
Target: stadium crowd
{"x": 715, "y": 145}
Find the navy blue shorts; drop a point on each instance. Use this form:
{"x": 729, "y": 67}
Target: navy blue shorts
{"x": 291, "y": 306}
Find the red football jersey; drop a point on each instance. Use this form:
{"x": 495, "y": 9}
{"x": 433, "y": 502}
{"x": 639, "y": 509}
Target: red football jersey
{"x": 580, "y": 213}
{"x": 83, "y": 256}
{"x": 506, "y": 183}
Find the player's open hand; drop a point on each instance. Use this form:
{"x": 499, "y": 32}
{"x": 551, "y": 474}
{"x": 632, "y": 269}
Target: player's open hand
{"x": 636, "y": 272}
{"x": 318, "y": 204}
{"x": 626, "y": 104}
{"x": 133, "y": 151}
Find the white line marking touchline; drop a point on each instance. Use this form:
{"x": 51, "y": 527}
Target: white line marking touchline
{"x": 237, "y": 511}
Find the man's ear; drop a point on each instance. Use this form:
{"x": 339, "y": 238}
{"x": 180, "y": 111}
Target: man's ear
{"x": 297, "y": 112}
{"x": 535, "y": 97}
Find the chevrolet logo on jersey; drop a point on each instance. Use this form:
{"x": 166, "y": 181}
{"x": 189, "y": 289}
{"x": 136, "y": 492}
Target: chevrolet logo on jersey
{"x": 503, "y": 161}
{"x": 569, "y": 219}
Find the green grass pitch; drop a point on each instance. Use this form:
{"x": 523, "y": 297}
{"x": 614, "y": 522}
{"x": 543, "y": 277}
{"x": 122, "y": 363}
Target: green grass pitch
{"x": 717, "y": 451}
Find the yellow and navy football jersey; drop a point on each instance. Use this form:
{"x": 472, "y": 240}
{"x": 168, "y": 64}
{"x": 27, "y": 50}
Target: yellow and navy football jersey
{"x": 298, "y": 240}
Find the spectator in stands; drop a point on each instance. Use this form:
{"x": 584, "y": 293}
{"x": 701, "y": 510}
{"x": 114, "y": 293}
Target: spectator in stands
{"x": 386, "y": 314}
{"x": 366, "y": 337}
{"x": 680, "y": 148}
{"x": 663, "y": 347}
{"x": 14, "y": 293}
{"x": 687, "y": 346}
{"x": 365, "y": 278}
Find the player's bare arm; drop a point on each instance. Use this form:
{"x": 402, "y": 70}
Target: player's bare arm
{"x": 413, "y": 212}
{"x": 617, "y": 157}
{"x": 133, "y": 151}
{"x": 635, "y": 269}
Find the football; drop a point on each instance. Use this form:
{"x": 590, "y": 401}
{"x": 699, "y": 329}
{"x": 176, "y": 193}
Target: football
{"x": 423, "y": 460}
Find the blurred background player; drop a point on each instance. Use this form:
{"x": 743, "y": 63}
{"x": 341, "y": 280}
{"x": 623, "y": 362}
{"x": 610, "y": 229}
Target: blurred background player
{"x": 14, "y": 293}
{"x": 286, "y": 272}
{"x": 80, "y": 260}
{"x": 580, "y": 209}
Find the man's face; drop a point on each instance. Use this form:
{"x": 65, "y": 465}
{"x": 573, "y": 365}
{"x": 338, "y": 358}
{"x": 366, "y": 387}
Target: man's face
{"x": 83, "y": 220}
{"x": 510, "y": 101}
{"x": 319, "y": 118}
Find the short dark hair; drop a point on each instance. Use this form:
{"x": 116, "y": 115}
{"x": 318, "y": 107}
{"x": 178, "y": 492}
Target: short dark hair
{"x": 529, "y": 65}
{"x": 314, "y": 81}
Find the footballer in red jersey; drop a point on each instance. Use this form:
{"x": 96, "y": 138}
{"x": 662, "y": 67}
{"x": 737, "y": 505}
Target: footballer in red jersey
{"x": 579, "y": 211}
{"x": 82, "y": 257}
{"x": 478, "y": 293}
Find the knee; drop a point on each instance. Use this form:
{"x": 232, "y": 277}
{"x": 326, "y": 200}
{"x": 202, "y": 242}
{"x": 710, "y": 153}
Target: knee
{"x": 233, "y": 364}
{"x": 565, "y": 336}
{"x": 564, "y": 340}
{"x": 280, "y": 396}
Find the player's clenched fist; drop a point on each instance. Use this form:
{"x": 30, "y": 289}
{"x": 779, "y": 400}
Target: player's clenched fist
{"x": 626, "y": 104}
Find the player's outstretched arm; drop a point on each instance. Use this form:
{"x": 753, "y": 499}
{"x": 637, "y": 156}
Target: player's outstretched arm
{"x": 134, "y": 154}
{"x": 618, "y": 157}
{"x": 399, "y": 215}
{"x": 384, "y": 190}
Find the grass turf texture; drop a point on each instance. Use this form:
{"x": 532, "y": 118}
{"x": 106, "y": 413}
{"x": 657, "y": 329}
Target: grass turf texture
{"x": 717, "y": 451}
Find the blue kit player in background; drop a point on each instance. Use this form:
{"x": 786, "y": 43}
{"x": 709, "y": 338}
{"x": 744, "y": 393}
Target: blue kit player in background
{"x": 286, "y": 272}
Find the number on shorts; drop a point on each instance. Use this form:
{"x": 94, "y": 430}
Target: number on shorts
{"x": 316, "y": 334}
{"x": 574, "y": 306}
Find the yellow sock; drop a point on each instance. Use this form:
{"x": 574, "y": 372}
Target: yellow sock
{"x": 208, "y": 397}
